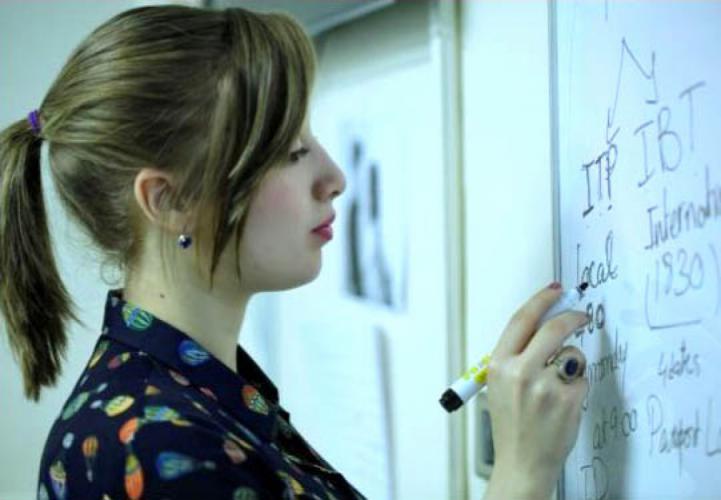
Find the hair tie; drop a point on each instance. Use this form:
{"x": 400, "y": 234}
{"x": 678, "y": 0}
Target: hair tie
{"x": 34, "y": 120}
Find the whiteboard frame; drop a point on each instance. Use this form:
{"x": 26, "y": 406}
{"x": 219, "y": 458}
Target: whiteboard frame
{"x": 555, "y": 144}
{"x": 555, "y": 167}
{"x": 445, "y": 47}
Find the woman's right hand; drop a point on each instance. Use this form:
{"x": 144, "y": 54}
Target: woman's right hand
{"x": 534, "y": 414}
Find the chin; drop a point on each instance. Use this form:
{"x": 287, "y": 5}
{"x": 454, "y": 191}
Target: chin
{"x": 304, "y": 280}
{"x": 289, "y": 282}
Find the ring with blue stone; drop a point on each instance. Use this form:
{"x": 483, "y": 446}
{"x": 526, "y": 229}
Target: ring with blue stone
{"x": 570, "y": 363}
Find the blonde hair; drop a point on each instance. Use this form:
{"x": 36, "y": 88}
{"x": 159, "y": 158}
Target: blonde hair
{"x": 213, "y": 97}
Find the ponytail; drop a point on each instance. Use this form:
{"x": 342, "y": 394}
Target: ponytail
{"x": 33, "y": 299}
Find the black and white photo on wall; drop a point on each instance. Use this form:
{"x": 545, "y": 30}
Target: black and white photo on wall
{"x": 375, "y": 253}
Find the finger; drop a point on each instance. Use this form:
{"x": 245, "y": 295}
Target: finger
{"x": 574, "y": 391}
{"x": 551, "y": 336}
{"x": 569, "y": 394}
{"x": 524, "y": 321}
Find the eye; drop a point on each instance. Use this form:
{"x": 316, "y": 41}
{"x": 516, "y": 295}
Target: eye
{"x": 298, "y": 153}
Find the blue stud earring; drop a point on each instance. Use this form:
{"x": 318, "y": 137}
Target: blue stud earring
{"x": 184, "y": 241}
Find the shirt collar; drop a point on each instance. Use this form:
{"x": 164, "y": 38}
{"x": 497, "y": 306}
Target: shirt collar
{"x": 249, "y": 395}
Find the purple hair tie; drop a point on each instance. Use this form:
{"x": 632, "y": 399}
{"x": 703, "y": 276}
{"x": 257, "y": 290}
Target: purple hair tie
{"x": 34, "y": 120}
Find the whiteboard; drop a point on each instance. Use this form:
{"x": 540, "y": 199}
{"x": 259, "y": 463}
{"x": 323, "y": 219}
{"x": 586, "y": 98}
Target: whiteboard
{"x": 636, "y": 98}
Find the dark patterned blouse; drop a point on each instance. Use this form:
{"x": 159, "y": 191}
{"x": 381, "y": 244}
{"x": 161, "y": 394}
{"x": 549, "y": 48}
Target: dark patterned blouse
{"x": 156, "y": 416}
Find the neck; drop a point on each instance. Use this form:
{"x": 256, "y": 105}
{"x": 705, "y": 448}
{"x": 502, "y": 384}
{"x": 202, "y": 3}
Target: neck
{"x": 212, "y": 318}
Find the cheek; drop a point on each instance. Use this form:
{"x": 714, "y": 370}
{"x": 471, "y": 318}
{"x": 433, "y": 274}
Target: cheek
{"x": 276, "y": 234}
{"x": 275, "y": 216}
{"x": 277, "y": 205}
{"x": 283, "y": 200}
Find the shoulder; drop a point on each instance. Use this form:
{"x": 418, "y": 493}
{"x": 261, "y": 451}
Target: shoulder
{"x": 138, "y": 446}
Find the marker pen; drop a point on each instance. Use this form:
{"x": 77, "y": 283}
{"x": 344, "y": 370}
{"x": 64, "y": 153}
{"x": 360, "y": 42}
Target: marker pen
{"x": 474, "y": 379}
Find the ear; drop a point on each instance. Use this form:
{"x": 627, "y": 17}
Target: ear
{"x": 152, "y": 189}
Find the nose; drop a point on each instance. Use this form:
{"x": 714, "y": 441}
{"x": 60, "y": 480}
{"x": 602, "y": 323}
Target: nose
{"x": 331, "y": 183}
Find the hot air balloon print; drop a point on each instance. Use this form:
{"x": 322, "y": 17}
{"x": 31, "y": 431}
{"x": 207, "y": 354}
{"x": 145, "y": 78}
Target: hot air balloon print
{"x": 171, "y": 464}
{"x": 151, "y": 390}
{"x": 254, "y": 400}
{"x": 292, "y": 482}
{"x": 118, "y": 360}
{"x": 102, "y": 347}
{"x": 90, "y": 450}
{"x": 199, "y": 406}
{"x": 128, "y": 429}
{"x": 191, "y": 353}
{"x": 74, "y": 405}
{"x": 43, "y": 492}
{"x": 208, "y": 393}
{"x": 160, "y": 414}
{"x": 68, "y": 439}
{"x": 234, "y": 452}
{"x": 291, "y": 461}
{"x": 58, "y": 479}
{"x": 133, "y": 477}
{"x": 179, "y": 378}
{"x": 245, "y": 493}
{"x": 244, "y": 444}
{"x": 115, "y": 406}
{"x": 136, "y": 318}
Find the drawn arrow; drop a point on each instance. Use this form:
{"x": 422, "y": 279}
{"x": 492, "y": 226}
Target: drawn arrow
{"x": 648, "y": 75}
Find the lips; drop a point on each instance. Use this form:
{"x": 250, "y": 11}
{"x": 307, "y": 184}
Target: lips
{"x": 325, "y": 224}
{"x": 325, "y": 230}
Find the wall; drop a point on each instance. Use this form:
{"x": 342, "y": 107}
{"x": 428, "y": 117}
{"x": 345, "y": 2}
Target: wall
{"x": 509, "y": 226}
{"x": 36, "y": 38}
{"x": 379, "y": 76}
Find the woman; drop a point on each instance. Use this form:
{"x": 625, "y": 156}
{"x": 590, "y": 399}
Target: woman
{"x": 179, "y": 139}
